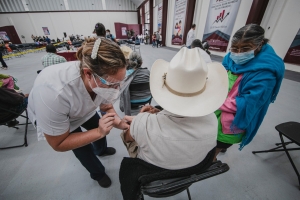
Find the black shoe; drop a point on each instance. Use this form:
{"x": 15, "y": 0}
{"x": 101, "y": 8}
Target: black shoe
{"x": 105, "y": 182}
{"x": 108, "y": 152}
{"x": 223, "y": 150}
{"x": 13, "y": 123}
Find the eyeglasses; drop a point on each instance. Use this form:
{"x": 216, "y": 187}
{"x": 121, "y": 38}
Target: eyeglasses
{"x": 110, "y": 84}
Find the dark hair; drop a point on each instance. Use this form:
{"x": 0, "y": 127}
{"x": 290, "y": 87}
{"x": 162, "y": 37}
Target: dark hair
{"x": 100, "y": 29}
{"x": 197, "y": 43}
{"x": 107, "y": 30}
{"x": 179, "y": 21}
{"x": 194, "y": 25}
{"x": 50, "y": 48}
{"x": 109, "y": 58}
{"x": 250, "y": 33}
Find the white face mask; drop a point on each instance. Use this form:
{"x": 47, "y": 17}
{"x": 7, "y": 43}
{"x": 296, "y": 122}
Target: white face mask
{"x": 109, "y": 95}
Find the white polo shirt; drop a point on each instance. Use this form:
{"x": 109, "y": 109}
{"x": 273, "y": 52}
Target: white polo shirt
{"x": 59, "y": 101}
{"x": 174, "y": 142}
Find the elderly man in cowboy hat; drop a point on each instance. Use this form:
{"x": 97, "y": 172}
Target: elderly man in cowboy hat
{"x": 190, "y": 90}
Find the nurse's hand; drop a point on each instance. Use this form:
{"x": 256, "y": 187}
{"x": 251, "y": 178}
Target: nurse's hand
{"x": 106, "y": 123}
{"x": 121, "y": 124}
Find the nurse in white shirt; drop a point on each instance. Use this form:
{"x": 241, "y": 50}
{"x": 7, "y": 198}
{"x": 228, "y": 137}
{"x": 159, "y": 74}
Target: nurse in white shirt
{"x": 65, "y": 97}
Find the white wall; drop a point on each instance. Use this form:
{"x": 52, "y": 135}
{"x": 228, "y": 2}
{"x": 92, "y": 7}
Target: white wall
{"x": 284, "y": 23}
{"x": 155, "y": 11}
{"x": 81, "y": 23}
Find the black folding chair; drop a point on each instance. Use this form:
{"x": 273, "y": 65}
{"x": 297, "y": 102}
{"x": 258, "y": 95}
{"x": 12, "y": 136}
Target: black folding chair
{"x": 170, "y": 187}
{"x": 290, "y": 130}
{"x": 13, "y": 117}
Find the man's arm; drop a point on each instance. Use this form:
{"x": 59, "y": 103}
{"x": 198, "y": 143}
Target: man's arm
{"x": 128, "y": 137}
{"x": 67, "y": 141}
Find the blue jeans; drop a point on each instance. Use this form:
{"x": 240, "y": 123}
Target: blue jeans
{"x": 87, "y": 154}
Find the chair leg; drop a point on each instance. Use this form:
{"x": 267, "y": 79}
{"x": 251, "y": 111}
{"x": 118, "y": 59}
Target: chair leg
{"x": 286, "y": 143}
{"x": 288, "y": 155}
{"x": 26, "y": 127}
{"x": 188, "y": 192}
{"x": 25, "y": 135}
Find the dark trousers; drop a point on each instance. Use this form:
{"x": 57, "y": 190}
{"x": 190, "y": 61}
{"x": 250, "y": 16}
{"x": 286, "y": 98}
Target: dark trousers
{"x": 87, "y": 154}
{"x": 157, "y": 43}
{"x": 2, "y": 61}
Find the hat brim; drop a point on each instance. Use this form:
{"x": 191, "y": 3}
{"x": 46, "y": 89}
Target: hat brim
{"x": 207, "y": 102}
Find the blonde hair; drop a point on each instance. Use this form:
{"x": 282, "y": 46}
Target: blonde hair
{"x": 109, "y": 57}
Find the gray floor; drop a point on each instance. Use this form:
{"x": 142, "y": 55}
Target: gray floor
{"x": 38, "y": 172}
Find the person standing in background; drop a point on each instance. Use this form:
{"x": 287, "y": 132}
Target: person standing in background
{"x": 48, "y": 40}
{"x": 190, "y": 36}
{"x": 157, "y": 39}
{"x": 4, "y": 66}
{"x": 160, "y": 40}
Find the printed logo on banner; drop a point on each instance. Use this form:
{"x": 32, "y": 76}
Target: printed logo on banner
{"x": 221, "y": 17}
{"x": 220, "y": 20}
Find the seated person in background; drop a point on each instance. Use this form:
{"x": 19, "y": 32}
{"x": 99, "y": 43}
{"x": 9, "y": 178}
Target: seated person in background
{"x": 133, "y": 38}
{"x": 13, "y": 101}
{"x": 138, "y": 92}
{"x": 7, "y": 81}
{"x": 100, "y": 30}
{"x": 137, "y": 40}
{"x": 51, "y": 58}
{"x": 110, "y": 36}
{"x": 198, "y": 43}
{"x": 180, "y": 136}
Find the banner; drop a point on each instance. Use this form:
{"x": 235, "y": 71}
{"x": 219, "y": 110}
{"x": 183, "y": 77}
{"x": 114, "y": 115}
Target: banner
{"x": 219, "y": 23}
{"x": 46, "y": 30}
{"x": 159, "y": 17}
{"x": 293, "y": 54}
{"x": 4, "y": 36}
{"x": 124, "y": 32}
{"x": 179, "y": 20}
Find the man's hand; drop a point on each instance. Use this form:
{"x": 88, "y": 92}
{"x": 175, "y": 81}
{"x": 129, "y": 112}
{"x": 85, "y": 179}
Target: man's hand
{"x": 128, "y": 119}
{"x": 106, "y": 123}
{"x": 149, "y": 109}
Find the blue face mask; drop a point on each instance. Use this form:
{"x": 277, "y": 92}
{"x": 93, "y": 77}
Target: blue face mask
{"x": 129, "y": 72}
{"x": 242, "y": 58}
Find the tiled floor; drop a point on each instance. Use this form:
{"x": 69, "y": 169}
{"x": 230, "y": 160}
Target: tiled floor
{"x": 38, "y": 172}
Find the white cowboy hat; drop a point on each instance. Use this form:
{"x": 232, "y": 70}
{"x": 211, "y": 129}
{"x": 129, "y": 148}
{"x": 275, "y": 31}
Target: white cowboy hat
{"x": 188, "y": 86}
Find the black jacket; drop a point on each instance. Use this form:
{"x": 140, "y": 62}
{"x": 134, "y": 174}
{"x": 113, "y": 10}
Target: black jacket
{"x": 132, "y": 168}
